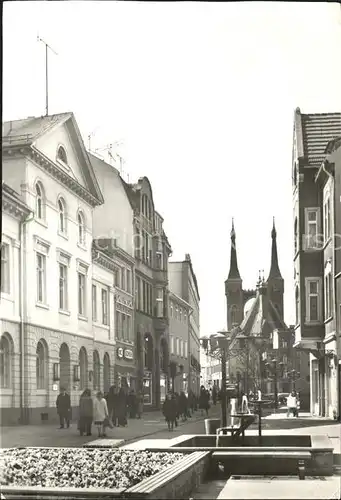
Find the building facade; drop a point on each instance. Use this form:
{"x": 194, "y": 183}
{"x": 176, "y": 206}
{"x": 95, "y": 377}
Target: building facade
{"x": 317, "y": 229}
{"x": 210, "y": 370}
{"x": 179, "y": 329}
{"x": 44, "y": 159}
{"x": 183, "y": 283}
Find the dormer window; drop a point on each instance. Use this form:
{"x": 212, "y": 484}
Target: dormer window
{"x": 61, "y": 155}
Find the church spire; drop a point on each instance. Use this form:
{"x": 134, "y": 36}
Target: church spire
{"x": 234, "y": 271}
{"x": 274, "y": 269}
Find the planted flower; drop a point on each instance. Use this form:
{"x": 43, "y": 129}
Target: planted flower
{"x": 80, "y": 467}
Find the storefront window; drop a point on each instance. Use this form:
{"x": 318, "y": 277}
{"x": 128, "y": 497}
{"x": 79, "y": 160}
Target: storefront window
{"x": 163, "y": 387}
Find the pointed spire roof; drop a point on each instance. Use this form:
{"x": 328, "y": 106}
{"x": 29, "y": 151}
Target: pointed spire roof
{"x": 234, "y": 271}
{"x": 274, "y": 269}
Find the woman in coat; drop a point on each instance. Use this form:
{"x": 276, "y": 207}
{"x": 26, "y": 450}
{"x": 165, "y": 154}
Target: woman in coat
{"x": 204, "y": 400}
{"x": 170, "y": 410}
{"x": 85, "y": 413}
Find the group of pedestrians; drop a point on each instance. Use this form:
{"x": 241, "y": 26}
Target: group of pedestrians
{"x": 105, "y": 411}
{"x": 182, "y": 406}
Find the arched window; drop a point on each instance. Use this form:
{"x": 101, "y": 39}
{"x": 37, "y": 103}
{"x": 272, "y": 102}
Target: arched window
{"x": 81, "y": 228}
{"x": 5, "y": 362}
{"x": 97, "y": 371}
{"x": 83, "y": 368}
{"x": 61, "y": 155}
{"x": 61, "y": 215}
{"x": 41, "y": 366}
{"x": 295, "y": 236}
{"x": 297, "y": 305}
{"x": 39, "y": 201}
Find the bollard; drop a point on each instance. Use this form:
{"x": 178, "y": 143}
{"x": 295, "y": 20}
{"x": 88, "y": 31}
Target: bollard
{"x": 211, "y": 425}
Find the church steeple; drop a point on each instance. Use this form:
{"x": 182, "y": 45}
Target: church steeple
{"x": 274, "y": 268}
{"x": 234, "y": 271}
{"x": 275, "y": 282}
{"x": 234, "y": 288}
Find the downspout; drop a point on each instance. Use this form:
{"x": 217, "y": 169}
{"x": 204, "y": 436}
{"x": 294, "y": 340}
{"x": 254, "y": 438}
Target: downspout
{"x": 22, "y": 311}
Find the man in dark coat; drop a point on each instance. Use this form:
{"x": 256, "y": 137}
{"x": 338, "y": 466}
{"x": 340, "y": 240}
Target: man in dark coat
{"x": 63, "y": 404}
{"x": 112, "y": 404}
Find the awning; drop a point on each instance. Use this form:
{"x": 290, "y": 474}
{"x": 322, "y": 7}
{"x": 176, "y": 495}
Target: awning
{"x": 125, "y": 370}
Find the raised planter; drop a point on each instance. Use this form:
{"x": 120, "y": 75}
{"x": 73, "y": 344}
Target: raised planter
{"x": 177, "y": 480}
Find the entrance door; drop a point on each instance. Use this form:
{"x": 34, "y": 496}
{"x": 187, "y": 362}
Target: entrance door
{"x": 315, "y": 388}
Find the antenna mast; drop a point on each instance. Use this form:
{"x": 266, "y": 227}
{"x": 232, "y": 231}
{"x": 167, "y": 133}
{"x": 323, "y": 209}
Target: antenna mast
{"x": 47, "y": 46}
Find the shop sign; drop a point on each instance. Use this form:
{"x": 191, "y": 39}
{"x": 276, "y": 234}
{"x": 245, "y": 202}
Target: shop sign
{"x": 120, "y": 352}
{"x": 128, "y": 354}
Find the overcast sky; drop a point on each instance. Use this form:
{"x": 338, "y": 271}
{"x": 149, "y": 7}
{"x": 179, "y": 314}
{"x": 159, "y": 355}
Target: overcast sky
{"x": 202, "y": 96}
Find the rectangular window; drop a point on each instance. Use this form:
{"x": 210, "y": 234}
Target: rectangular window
{"x": 63, "y": 287}
{"x": 41, "y": 278}
{"x": 185, "y": 317}
{"x": 138, "y": 294}
{"x": 129, "y": 281}
{"x": 171, "y": 310}
{"x": 117, "y": 280}
{"x": 177, "y": 347}
{"x": 313, "y": 300}
{"x": 129, "y": 332}
{"x": 312, "y": 228}
{"x": 176, "y": 312}
{"x": 142, "y": 298}
{"x": 158, "y": 260}
{"x": 159, "y": 303}
{"x": 105, "y": 307}
{"x": 124, "y": 326}
{"x": 328, "y": 295}
{"x": 186, "y": 349}
{"x": 180, "y": 314}
{"x": 94, "y": 303}
{"x": 123, "y": 278}
{"x": 181, "y": 348}
{"x": 5, "y": 269}
{"x": 326, "y": 219}
{"x": 81, "y": 294}
{"x": 118, "y": 325}
{"x": 171, "y": 338}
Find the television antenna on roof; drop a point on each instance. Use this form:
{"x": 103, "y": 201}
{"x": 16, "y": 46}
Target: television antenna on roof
{"x": 47, "y": 46}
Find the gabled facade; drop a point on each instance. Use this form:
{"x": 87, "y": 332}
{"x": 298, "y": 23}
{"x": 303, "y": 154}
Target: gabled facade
{"x": 44, "y": 159}
{"x": 316, "y": 203}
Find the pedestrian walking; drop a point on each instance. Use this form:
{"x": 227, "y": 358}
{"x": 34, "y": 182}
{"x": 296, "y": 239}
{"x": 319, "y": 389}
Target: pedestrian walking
{"x": 139, "y": 404}
{"x": 85, "y": 413}
{"x": 214, "y": 395}
{"x": 292, "y": 404}
{"x": 132, "y": 404}
{"x": 63, "y": 404}
{"x": 245, "y": 403}
{"x": 183, "y": 406}
{"x": 101, "y": 413}
{"x": 204, "y": 404}
{"x": 112, "y": 404}
{"x": 169, "y": 410}
{"x": 122, "y": 408}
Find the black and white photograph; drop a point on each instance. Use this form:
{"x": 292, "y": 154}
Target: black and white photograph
{"x": 170, "y": 301}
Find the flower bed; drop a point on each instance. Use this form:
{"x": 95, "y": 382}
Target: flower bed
{"x": 80, "y": 467}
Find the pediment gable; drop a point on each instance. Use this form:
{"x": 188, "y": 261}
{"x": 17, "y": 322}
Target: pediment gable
{"x": 45, "y": 135}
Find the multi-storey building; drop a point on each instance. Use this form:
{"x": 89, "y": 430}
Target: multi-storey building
{"x": 183, "y": 283}
{"x": 260, "y": 352}
{"x": 114, "y": 243}
{"x": 317, "y": 229}
{"x": 152, "y": 251}
{"x": 179, "y": 318}
{"x": 44, "y": 159}
{"x": 210, "y": 370}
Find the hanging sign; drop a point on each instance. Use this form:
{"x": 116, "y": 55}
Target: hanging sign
{"x": 128, "y": 354}
{"x": 120, "y": 352}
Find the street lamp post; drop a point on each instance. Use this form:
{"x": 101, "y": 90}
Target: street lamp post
{"x": 274, "y": 368}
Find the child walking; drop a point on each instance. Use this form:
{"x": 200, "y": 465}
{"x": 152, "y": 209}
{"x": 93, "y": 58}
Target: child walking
{"x": 100, "y": 413}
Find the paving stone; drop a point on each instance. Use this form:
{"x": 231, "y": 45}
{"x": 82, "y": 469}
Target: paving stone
{"x": 104, "y": 443}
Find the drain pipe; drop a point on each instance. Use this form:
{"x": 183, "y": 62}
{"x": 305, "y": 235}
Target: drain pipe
{"x": 22, "y": 310}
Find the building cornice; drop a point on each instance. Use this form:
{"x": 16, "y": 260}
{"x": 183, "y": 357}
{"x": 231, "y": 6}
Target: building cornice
{"x": 173, "y": 296}
{"x": 55, "y": 172}
{"x": 12, "y": 205}
{"x": 103, "y": 260}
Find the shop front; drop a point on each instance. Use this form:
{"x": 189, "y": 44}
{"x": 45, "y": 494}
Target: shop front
{"x": 163, "y": 387}
{"x": 125, "y": 370}
{"x": 147, "y": 388}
